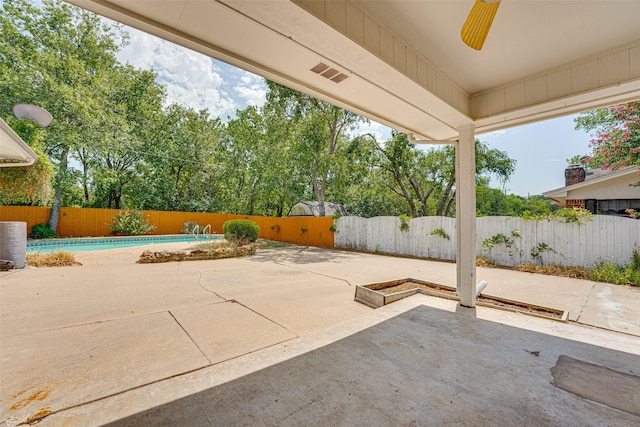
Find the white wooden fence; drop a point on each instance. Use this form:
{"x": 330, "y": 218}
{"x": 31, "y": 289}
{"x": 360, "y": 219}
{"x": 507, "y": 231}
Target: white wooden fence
{"x": 515, "y": 241}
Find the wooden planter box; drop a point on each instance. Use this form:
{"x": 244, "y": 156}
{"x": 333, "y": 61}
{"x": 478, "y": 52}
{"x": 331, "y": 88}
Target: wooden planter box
{"x": 371, "y": 295}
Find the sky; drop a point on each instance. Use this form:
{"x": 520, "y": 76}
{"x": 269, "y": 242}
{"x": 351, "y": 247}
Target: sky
{"x": 197, "y": 81}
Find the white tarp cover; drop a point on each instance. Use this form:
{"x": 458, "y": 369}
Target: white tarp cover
{"x": 312, "y": 208}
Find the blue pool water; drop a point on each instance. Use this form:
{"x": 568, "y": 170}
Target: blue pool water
{"x": 100, "y": 243}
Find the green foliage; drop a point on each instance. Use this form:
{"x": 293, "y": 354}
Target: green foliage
{"x": 570, "y": 215}
{"x": 404, "y": 222}
{"x": 333, "y": 226}
{"x": 241, "y": 230}
{"x": 425, "y": 179}
{"x": 575, "y": 215}
{"x": 27, "y": 185}
{"x": 133, "y": 153}
{"x": 439, "y": 232}
{"x": 59, "y": 57}
{"x": 516, "y": 233}
{"x": 635, "y": 259}
{"x": 616, "y": 135}
{"x": 42, "y": 231}
{"x": 618, "y": 274}
{"x": 130, "y": 223}
{"x": 492, "y": 202}
{"x": 188, "y": 227}
{"x": 318, "y": 139}
{"x": 537, "y": 251}
{"x": 497, "y": 239}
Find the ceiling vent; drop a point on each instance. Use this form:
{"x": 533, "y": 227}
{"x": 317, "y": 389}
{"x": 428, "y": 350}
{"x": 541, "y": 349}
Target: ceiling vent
{"x": 329, "y": 73}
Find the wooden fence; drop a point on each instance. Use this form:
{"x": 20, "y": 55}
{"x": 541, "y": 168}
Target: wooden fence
{"x": 84, "y": 222}
{"x": 506, "y": 240}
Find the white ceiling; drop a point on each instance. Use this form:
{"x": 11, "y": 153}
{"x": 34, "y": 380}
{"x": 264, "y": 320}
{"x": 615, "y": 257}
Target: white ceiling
{"x": 526, "y": 38}
{"x": 407, "y": 65}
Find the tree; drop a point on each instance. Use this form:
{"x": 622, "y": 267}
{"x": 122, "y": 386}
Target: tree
{"x": 408, "y": 172}
{"x": 182, "y": 165}
{"x": 492, "y": 201}
{"x": 56, "y": 56}
{"x": 616, "y": 135}
{"x": 426, "y": 179}
{"x": 130, "y": 112}
{"x": 320, "y": 129}
{"x": 366, "y": 190}
{"x": 264, "y": 173}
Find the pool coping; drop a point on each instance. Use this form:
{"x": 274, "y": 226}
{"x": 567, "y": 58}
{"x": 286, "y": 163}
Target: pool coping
{"x": 151, "y": 238}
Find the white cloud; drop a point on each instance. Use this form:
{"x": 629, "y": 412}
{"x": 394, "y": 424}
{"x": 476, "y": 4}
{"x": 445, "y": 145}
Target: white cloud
{"x": 192, "y": 79}
{"x": 379, "y": 131}
{"x": 252, "y": 90}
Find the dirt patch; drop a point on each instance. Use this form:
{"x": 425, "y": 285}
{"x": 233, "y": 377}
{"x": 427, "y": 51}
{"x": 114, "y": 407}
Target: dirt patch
{"x": 407, "y": 286}
{"x": 512, "y": 305}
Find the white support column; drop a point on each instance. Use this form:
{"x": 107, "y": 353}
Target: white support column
{"x": 466, "y": 216}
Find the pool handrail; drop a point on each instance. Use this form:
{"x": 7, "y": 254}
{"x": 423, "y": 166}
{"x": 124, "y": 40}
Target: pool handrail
{"x": 204, "y": 231}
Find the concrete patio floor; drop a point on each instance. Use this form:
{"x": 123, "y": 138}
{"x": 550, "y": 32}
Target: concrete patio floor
{"x": 276, "y": 339}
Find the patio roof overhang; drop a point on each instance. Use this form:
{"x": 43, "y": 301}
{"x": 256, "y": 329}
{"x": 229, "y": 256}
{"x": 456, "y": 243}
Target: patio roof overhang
{"x": 403, "y": 64}
{"x": 13, "y": 150}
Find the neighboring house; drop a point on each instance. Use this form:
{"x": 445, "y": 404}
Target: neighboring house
{"x": 13, "y": 150}
{"x": 312, "y": 208}
{"x": 598, "y": 190}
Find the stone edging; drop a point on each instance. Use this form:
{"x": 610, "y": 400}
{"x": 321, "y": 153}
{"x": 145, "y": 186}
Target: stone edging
{"x": 152, "y": 257}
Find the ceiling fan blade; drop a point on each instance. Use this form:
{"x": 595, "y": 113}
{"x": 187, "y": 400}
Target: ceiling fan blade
{"x": 476, "y": 27}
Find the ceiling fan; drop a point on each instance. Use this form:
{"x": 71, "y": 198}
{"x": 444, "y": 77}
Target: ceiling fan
{"x": 476, "y": 27}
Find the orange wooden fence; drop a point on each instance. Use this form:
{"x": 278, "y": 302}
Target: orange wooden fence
{"x": 85, "y": 222}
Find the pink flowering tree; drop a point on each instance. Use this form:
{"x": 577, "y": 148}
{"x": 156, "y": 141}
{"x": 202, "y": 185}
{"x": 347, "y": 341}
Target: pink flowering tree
{"x": 616, "y": 135}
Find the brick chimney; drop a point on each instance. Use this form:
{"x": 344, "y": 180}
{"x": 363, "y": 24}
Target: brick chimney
{"x": 574, "y": 174}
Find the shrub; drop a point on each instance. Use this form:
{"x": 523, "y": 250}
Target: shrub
{"x": 618, "y": 275}
{"x": 42, "y": 231}
{"x": 635, "y": 259}
{"x": 188, "y": 227}
{"x": 241, "y": 230}
{"x": 130, "y": 223}
{"x": 608, "y": 272}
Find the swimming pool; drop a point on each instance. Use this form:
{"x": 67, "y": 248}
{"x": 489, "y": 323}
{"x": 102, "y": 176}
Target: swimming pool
{"x": 101, "y": 243}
